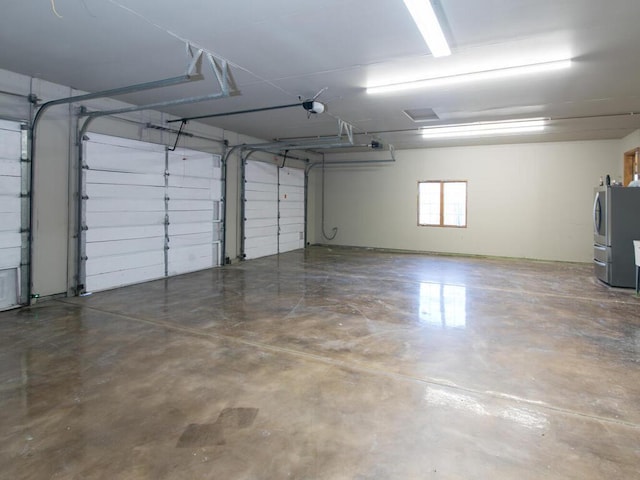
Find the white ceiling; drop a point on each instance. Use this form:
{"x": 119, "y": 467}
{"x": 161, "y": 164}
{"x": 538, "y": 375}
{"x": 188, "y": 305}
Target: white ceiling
{"x": 284, "y": 48}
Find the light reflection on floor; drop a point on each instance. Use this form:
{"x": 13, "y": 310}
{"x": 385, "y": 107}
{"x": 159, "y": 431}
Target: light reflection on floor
{"x": 443, "y": 305}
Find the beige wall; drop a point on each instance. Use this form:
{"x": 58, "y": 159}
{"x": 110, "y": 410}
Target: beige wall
{"x": 524, "y": 200}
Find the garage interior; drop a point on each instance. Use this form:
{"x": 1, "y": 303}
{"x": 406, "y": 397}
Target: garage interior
{"x": 221, "y": 253}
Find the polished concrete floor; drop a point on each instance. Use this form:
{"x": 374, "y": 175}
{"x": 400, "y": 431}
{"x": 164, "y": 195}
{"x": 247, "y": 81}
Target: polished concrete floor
{"x": 329, "y": 364}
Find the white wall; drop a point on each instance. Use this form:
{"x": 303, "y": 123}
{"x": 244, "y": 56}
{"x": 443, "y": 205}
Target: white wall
{"x": 524, "y": 200}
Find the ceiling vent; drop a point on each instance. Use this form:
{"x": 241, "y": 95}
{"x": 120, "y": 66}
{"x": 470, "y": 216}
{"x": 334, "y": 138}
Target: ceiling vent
{"x": 421, "y": 115}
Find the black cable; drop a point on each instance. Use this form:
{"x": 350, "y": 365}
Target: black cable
{"x": 175, "y": 145}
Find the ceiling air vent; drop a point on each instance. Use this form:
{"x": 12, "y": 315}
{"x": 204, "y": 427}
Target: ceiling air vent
{"x": 421, "y": 114}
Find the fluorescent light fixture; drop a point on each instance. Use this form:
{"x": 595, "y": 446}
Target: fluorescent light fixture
{"x": 529, "y": 125}
{"x": 473, "y": 76}
{"x": 427, "y": 22}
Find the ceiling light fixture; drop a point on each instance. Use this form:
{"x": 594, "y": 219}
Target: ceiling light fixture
{"x": 473, "y": 76}
{"x": 427, "y": 22}
{"x": 529, "y": 125}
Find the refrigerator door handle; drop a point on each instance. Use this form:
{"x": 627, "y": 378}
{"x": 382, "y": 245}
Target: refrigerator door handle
{"x": 597, "y": 218}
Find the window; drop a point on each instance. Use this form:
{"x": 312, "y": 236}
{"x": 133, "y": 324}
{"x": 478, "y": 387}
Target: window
{"x": 442, "y": 203}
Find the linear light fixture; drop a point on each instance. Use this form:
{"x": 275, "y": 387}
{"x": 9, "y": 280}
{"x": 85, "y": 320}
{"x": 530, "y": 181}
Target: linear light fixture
{"x": 473, "y": 76}
{"x": 427, "y": 22}
{"x": 529, "y": 125}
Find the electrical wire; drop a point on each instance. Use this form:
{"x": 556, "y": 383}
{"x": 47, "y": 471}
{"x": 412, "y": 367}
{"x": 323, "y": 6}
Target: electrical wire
{"x": 334, "y": 230}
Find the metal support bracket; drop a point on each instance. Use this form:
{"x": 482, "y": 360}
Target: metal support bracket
{"x": 223, "y": 75}
{"x": 345, "y": 127}
{"x": 196, "y": 61}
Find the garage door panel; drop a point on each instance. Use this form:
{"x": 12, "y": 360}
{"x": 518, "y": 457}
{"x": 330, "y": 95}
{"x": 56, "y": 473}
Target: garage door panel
{"x": 130, "y": 192}
{"x": 273, "y": 209}
{"x": 292, "y": 220}
{"x": 262, "y": 187}
{"x": 10, "y": 220}
{"x": 261, "y": 172}
{"x": 293, "y": 225}
{"x": 124, "y": 219}
{"x": 10, "y": 239}
{"x": 189, "y": 228}
{"x": 194, "y": 164}
{"x": 98, "y": 204}
{"x": 291, "y": 198}
{"x": 10, "y": 186}
{"x": 189, "y": 259}
{"x": 11, "y": 205}
{"x": 10, "y": 257}
{"x": 104, "y": 152}
{"x": 120, "y": 278}
{"x": 125, "y": 178}
{"x": 10, "y": 168}
{"x": 292, "y": 189}
{"x": 124, "y": 212}
{"x": 291, "y": 176}
{"x": 291, "y": 228}
{"x": 191, "y": 216}
{"x": 291, "y": 209}
{"x": 265, "y": 213}
{"x": 123, "y": 247}
{"x": 9, "y": 288}
{"x": 192, "y": 239}
{"x": 260, "y": 247}
{"x": 269, "y": 205}
{"x": 286, "y": 216}
{"x": 117, "y": 159}
{"x": 129, "y": 261}
{"x": 259, "y": 222}
{"x": 292, "y": 237}
{"x": 269, "y": 192}
{"x": 183, "y": 206}
{"x": 290, "y": 246}
{"x": 10, "y": 145}
{"x": 204, "y": 183}
{"x": 176, "y": 194}
{"x": 124, "y": 233}
{"x": 265, "y": 231}
{"x": 194, "y": 190}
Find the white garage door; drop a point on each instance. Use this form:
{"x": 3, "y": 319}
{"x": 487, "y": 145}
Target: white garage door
{"x": 10, "y": 214}
{"x": 260, "y": 210}
{"x": 291, "y": 194}
{"x": 194, "y": 208}
{"x": 273, "y": 209}
{"x": 148, "y": 213}
{"x": 124, "y": 212}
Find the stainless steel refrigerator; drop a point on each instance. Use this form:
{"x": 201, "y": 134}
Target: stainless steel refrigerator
{"x": 616, "y": 224}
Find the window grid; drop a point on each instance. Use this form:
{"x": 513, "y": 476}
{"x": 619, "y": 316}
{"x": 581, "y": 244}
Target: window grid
{"x": 442, "y": 203}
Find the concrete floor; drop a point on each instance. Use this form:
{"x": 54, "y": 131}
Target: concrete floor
{"x": 329, "y": 364}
